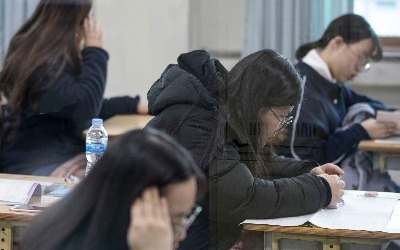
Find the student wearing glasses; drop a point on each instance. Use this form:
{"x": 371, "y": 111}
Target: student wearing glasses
{"x": 227, "y": 120}
{"x": 140, "y": 195}
{"x": 321, "y": 130}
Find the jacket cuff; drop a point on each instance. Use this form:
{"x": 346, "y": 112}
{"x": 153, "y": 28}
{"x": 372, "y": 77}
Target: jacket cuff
{"x": 328, "y": 191}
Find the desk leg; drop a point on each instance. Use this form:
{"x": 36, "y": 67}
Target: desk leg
{"x": 382, "y": 162}
{"x": 274, "y": 241}
{"x": 265, "y": 240}
{"x": 5, "y": 236}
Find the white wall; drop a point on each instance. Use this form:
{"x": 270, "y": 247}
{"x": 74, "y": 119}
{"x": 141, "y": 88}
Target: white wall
{"x": 382, "y": 82}
{"x": 142, "y": 38}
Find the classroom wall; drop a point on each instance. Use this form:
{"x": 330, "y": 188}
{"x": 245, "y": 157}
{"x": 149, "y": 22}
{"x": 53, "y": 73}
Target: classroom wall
{"x": 382, "y": 81}
{"x": 142, "y": 37}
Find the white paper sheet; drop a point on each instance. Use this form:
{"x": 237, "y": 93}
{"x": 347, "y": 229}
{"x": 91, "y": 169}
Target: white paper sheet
{"x": 287, "y": 221}
{"x": 389, "y": 140}
{"x": 393, "y": 225}
{"x": 358, "y": 212}
{"x": 385, "y": 116}
{"x": 17, "y": 192}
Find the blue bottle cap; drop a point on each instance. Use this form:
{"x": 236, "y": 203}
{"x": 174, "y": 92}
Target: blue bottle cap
{"x": 97, "y": 121}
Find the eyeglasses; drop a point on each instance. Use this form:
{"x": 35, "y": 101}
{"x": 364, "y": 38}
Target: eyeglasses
{"x": 188, "y": 220}
{"x": 362, "y": 61}
{"x": 284, "y": 121}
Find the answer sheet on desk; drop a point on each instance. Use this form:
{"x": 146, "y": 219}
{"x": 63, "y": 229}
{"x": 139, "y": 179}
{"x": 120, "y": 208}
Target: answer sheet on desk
{"x": 15, "y": 192}
{"x": 357, "y": 213}
{"x": 389, "y": 116}
{"x": 393, "y": 225}
{"x": 286, "y": 221}
{"x": 389, "y": 140}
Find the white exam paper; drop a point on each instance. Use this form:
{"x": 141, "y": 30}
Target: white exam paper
{"x": 16, "y": 192}
{"x": 358, "y": 212}
{"x": 393, "y": 225}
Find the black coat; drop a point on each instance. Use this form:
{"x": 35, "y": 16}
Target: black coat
{"x": 185, "y": 108}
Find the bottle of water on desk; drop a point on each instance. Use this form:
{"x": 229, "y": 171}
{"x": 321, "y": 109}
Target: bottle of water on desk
{"x": 96, "y": 143}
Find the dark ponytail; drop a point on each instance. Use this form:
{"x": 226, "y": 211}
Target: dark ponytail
{"x": 352, "y": 28}
{"x": 305, "y": 48}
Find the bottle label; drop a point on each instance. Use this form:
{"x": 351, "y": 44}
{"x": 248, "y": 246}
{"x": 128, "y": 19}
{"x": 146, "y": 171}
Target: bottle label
{"x": 95, "y": 147}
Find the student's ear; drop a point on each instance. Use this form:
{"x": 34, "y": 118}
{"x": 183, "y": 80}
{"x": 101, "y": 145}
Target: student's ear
{"x": 336, "y": 42}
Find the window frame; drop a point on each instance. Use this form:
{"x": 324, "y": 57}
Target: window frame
{"x": 390, "y": 42}
{"x": 390, "y": 47}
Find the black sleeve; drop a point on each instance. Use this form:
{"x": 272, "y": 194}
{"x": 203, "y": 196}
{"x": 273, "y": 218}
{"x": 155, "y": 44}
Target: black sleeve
{"x": 237, "y": 195}
{"x": 328, "y": 191}
{"x": 77, "y": 97}
{"x": 283, "y": 167}
{"x": 119, "y": 105}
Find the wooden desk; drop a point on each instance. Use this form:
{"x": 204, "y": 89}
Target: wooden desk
{"x": 10, "y": 219}
{"x": 120, "y": 124}
{"x": 330, "y": 238}
{"x": 382, "y": 153}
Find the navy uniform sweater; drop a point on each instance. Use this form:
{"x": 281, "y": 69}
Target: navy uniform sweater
{"x": 48, "y": 131}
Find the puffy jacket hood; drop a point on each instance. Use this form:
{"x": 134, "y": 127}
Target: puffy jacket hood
{"x": 193, "y": 81}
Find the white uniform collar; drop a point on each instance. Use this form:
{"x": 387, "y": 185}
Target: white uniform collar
{"x": 315, "y": 61}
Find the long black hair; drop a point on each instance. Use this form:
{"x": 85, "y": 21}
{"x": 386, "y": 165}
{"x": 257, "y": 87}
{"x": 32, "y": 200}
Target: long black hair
{"x": 95, "y": 215}
{"x": 262, "y": 79}
{"x": 51, "y": 36}
{"x": 352, "y": 28}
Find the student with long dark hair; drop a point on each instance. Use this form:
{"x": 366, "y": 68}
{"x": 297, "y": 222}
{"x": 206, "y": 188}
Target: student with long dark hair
{"x": 228, "y": 120}
{"x": 333, "y": 118}
{"x": 142, "y": 174}
{"x": 52, "y": 85}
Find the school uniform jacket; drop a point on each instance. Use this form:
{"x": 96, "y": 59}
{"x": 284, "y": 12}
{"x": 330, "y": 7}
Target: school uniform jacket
{"x": 325, "y": 104}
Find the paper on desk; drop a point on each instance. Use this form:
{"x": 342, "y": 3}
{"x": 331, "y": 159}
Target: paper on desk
{"x": 393, "y": 139}
{"x": 286, "y": 221}
{"x": 389, "y": 116}
{"x": 17, "y": 192}
{"x": 393, "y": 225}
{"x": 357, "y": 213}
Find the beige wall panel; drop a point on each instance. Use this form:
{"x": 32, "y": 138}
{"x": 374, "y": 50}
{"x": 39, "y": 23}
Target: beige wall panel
{"x": 142, "y": 37}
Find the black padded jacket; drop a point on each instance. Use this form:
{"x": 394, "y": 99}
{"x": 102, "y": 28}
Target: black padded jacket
{"x": 185, "y": 106}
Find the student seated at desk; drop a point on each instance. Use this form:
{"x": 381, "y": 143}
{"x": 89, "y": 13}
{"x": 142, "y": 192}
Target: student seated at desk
{"x": 228, "y": 121}
{"x": 144, "y": 187}
{"x": 333, "y": 118}
{"x": 53, "y": 80}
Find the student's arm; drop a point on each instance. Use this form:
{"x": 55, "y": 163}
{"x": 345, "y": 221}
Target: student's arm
{"x": 241, "y": 196}
{"x": 282, "y": 167}
{"x": 77, "y": 97}
{"x": 121, "y": 105}
{"x": 353, "y": 97}
{"x": 316, "y": 135}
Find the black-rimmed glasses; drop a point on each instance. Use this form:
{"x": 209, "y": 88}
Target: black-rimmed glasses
{"x": 284, "y": 121}
{"x": 362, "y": 61}
{"x": 188, "y": 220}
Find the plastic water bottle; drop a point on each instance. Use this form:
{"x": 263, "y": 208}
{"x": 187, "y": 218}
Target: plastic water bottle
{"x": 96, "y": 143}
